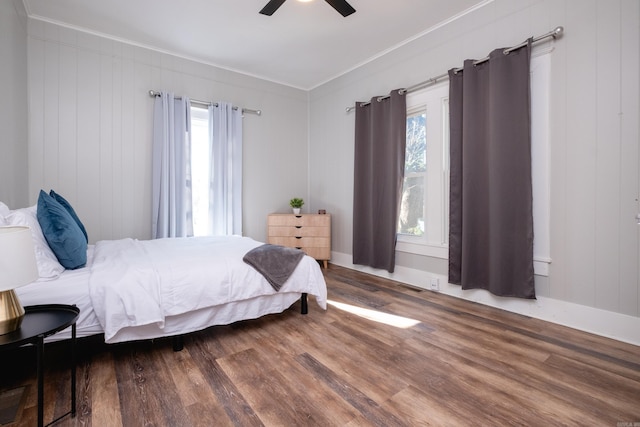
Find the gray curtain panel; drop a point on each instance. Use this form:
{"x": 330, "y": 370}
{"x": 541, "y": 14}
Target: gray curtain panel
{"x": 491, "y": 220}
{"x": 380, "y": 140}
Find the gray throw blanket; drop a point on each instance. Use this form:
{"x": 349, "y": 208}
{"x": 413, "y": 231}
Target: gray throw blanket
{"x": 274, "y": 262}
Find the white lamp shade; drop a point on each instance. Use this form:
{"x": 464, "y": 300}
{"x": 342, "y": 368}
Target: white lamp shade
{"x": 17, "y": 258}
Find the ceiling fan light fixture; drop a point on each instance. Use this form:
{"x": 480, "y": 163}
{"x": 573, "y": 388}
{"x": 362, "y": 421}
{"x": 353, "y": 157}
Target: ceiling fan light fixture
{"x": 344, "y": 8}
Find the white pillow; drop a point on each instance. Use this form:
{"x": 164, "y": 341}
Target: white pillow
{"x": 48, "y": 265}
{"x": 4, "y": 210}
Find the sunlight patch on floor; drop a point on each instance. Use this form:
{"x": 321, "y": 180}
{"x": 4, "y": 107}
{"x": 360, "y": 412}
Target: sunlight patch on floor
{"x": 376, "y": 316}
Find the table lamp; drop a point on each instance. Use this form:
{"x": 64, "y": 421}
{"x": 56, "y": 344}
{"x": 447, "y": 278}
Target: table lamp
{"x": 17, "y": 268}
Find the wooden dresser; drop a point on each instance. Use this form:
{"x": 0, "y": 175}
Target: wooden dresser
{"x": 309, "y": 232}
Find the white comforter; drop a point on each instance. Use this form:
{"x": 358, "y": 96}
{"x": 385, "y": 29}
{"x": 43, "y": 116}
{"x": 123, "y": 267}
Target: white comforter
{"x": 136, "y": 283}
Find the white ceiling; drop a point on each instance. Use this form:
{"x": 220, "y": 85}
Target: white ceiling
{"x": 301, "y": 45}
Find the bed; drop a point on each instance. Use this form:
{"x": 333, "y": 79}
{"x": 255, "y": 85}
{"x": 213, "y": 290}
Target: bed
{"x": 132, "y": 289}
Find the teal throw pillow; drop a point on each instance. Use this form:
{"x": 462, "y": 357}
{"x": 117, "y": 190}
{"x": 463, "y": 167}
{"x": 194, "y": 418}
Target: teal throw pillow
{"x": 62, "y": 233}
{"x": 71, "y": 211}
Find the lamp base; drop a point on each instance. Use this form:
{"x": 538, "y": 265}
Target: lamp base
{"x": 11, "y": 312}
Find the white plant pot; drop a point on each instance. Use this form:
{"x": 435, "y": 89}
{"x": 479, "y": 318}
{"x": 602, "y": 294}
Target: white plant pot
{"x": 296, "y": 211}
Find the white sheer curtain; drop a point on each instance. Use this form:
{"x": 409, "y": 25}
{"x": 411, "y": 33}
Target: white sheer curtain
{"x": 171, "y": 182}
{"x": 225, "y": 191}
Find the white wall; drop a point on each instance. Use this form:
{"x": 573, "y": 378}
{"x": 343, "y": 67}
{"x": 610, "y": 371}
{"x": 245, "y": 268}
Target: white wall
{"x": 90, "y": 121}
{"x": 594, "y": 146}
{"x": 13, "y": 103}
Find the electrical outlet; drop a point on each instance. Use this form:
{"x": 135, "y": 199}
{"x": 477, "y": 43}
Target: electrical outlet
{"x": 434, "y": 284}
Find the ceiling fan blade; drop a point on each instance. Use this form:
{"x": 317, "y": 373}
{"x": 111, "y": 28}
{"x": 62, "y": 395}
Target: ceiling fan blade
{"x": 271, "y": 7}
{"x": 341, "y": 6}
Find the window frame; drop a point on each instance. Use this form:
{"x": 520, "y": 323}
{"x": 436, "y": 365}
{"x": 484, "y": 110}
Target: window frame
{"x": 433, "y": 100}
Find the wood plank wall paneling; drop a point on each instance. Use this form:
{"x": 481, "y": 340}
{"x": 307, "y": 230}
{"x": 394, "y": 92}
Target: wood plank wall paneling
{"x": 629, "y": 295}
{"x": 36, "y": 114}
{"x": 107, "y": 139}
{"x": 461, "y": 363}
{"x": 608, "y": 135}
{"x": 13, "y": 103}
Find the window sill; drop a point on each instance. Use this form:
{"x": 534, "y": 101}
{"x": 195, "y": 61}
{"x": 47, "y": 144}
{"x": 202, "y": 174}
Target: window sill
{"x": 540, "y": 264}
{"x": 423, "y": 249}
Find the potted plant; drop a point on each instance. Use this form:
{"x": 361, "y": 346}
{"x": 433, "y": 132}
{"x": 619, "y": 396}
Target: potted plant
{"x": 296, "y": 203}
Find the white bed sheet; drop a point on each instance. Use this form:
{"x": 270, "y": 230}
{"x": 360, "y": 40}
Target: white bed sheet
{"x": 71, "y": 287}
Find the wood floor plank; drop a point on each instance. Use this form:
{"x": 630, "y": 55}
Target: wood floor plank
{"x": 340, "y": 352}
{"x": 238, "y": 411}
{"x": 84, "y": 388}
{"x": 190, "y": 383}
{"x": 99, "y": 393}
{"x": 57, "y": 387}
{"x": 275, "y": 400}
{"x": 146, "y": 395}
{"x": 324, "y": 401}
{"x": 618, "y": 398}
{"x": 416, "y": 409}
{"x": 369, "y": 409}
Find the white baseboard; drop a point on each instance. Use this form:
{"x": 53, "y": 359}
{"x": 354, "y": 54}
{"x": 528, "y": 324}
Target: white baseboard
{"x": 605, "y": 323}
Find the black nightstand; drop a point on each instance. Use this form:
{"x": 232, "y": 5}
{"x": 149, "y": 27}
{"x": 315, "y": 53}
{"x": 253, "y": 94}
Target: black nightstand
{"x": 41, "y": 321}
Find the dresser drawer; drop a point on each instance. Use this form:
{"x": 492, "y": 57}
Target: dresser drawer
{"x": 299, "y": 231}
{"x": 315, "y": 247}
{"x": 319, "y": 253}
{"x": 299, "y": 220}
{"x": 302, "y": 242}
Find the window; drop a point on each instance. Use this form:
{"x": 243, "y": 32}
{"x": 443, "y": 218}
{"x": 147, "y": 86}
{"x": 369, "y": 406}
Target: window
{"x": 200, "y": 169}
{"x": 424, "y": 207}
{"x": 216, "y": 169}
{"x": 412, "y": 217}
{"x": 425, "y": 230}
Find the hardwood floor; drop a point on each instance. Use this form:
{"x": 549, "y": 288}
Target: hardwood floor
{"x": 412, "y": 358}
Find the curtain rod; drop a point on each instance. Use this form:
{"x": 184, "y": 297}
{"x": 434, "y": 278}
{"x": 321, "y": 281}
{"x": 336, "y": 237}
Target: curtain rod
{"x": 557, "y": 32}
{"x": 153, "y": 94}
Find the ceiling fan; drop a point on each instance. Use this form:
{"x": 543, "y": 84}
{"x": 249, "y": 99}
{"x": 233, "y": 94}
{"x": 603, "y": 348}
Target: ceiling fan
{"x": 341, "y": 6}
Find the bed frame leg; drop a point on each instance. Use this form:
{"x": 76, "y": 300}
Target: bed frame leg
{"x": 178, "y": 342}
{"x": 303, "y": 303}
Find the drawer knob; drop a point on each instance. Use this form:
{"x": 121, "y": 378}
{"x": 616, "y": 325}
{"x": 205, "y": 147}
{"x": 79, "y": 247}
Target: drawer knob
{"x": 298, "y": 247}
{"x": 298, "y": 237}
{"x": 298, "y": 226}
